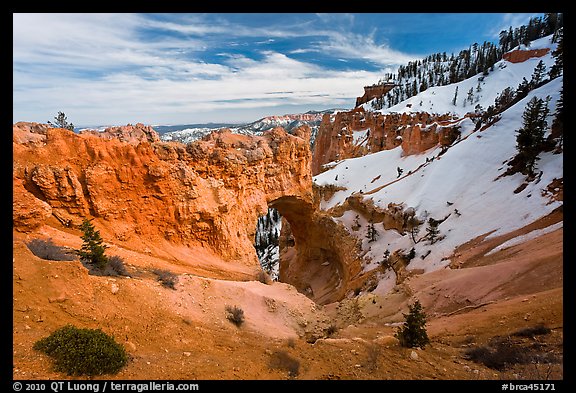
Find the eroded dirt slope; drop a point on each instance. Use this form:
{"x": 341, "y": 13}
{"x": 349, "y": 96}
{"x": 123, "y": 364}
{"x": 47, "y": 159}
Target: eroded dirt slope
{"x": 184, "y": 333}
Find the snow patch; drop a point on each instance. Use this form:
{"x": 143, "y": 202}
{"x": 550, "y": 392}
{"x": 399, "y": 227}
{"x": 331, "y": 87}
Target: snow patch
{"x": 386, "y": 283}
{"x": 463, "y": 186}
{"x": 524, "y": 238}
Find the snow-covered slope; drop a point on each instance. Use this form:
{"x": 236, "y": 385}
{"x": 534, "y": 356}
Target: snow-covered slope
{"x": 439, "y": 100}
{"x": 187, "y": 135}
{"x": 463, "y": 185}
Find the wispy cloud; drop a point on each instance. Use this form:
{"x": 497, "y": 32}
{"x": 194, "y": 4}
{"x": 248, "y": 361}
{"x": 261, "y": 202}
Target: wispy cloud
{"x": 245, "y": 84}
{"x": 364, "y": 47}
{"x": 345, "y": 19}
{"x": 103, "y": 68}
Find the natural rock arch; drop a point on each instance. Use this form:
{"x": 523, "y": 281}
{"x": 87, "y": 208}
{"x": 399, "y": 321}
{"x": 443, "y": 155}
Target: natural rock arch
{"x": 206, "y": 195}
{"x": 317, "y": 255}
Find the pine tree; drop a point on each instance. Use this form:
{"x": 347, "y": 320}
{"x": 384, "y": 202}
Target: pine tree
{"x": 92, "y": 250}
{"x": 551, "y": 23}
{"x": 455, "y": 96}
{"x": 558, "y": 65}
{"x": 423, "y": 85}
{"x": 470, "y": 96}
{"x": 413, "y": 333}
{"x": 523, "y": 88}
{"x": 411, "y": 254}
{"x": 413, "y": 225}
{"x": 372, "y": 233}
{"x": 62, "y": 122}
{"x": 504, "y": 99}
{"x": 538, "y": 74}
{"x": 505, "y": 40}
{"x": 432, "y": 230}
{"x": 530, "y": 137}
{"x": 385, "y": 262}
{"x": 275, "y": 215}
{"x": 558, "y": 122}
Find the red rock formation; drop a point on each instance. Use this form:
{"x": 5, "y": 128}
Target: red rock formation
{"x": 24, "y": 132}
{"x": 29, "y": 212}
{"x": 519, "y": 56}
{"x": 128, "y": 133}
{"x": 415, "y": 132}
{"x": 317, "y": 255}
{"x": 165, "y": 190}
{"x": 374, "y": 91}
{"x": 206, "y": 194}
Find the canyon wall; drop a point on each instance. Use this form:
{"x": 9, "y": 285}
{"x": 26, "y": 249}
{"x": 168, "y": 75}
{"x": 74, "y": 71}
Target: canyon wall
{"x": 374, "y": 91}
{"x": 206, "y": 194}
{"x": 416, "y": 132}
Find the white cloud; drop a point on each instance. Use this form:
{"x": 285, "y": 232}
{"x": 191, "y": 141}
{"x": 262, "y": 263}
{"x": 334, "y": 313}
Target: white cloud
{"x": 125, "y": 95}
{"x": 100, "y": 68}
{"x": 340, "y": 18}
{"x": 364, "y": 47}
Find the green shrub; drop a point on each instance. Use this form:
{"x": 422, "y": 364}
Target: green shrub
{"x": 83, "y": 351}
{"x": 281, "y": 360}
{"x": 502, "y": 353}
{"x": 413, "y": 332}
{"x": 166, "y": 278}
{"x": 235, "y": 315}
{"x": 46, "y": 249}
{"x": 536, "y": 330}
{"x": 499, "y": 354}
{"x": 116, "y": 264}
{"x": 61, "y": 121}
{"x": 331, "y": 330}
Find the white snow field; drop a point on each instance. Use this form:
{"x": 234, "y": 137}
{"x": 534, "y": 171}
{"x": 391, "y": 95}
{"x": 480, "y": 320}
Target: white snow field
{"x": 466, "y": 178}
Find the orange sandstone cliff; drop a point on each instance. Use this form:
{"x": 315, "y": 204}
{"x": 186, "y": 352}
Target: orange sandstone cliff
{"x": 374, "y": 91}
{"x": 357, "y": 133}
{"x": 519, "y": 55}
{"x": 204, "y": 195}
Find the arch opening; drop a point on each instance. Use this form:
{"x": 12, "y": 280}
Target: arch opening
{"x": 266, "y": 242}
{"x": 316, "y": 254}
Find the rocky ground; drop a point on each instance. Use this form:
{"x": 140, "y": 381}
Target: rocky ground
{"x": 183, "y": 333}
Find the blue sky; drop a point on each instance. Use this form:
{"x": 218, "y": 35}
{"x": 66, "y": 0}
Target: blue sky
{"x": 111, "y": 69}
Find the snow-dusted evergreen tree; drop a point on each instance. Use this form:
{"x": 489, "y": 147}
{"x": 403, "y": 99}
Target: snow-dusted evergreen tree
{"x": 372, "y": 234}
{"x": 413, "y": 225}
{"x": 558, "y": 122}
{"x": 504, "y": 99}
{"x": 538, "y": 75}
{"x": 455, "y": 96}
{"x": 530, "y": 137}
{"x": 432, "y": 230}
{"x": 470, "y": 95}
{"x": 523, "y": 88}
{"x": 439, "y": 69}
{"x": 558, "y": 66}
